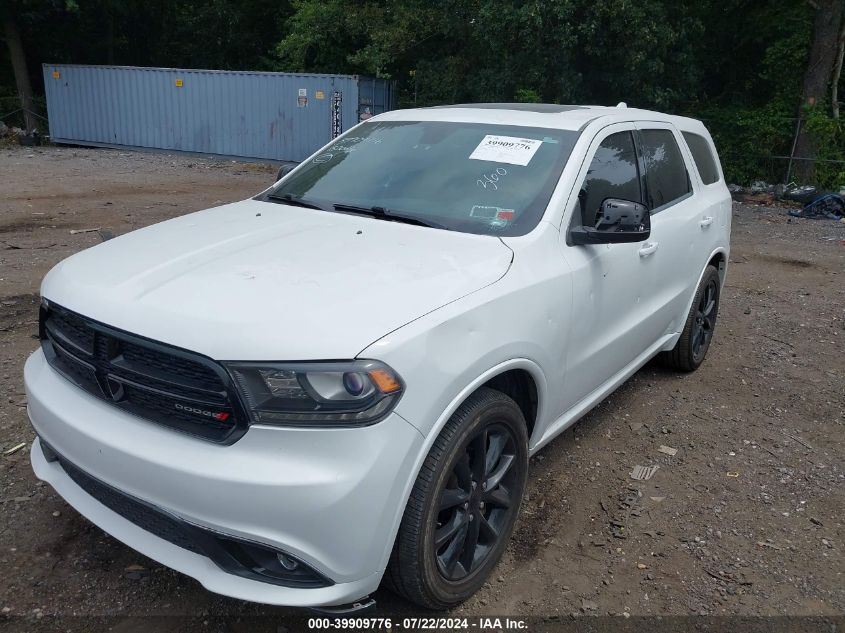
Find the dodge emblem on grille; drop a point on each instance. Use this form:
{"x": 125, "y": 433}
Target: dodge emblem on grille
{"x": 220, "y": 416}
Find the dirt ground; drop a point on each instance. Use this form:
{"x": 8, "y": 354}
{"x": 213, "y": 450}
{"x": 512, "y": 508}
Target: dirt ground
{"x": 746, "y": 519}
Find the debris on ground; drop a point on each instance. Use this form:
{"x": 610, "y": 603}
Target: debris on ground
{"x": 29, "y": 140}
{"x": 15, "y": 449}
{"x": 814, "y": 203}
{"x": 828, "y": 206}
{"x": 803, "y": 194}
{"x": 760, "y": 186}
{"x": 668, "y": 450}
{"x": 588, "y": 605}
{"x": 799, "y": 440}
{"x": 762, "y": 198}
{"x": 9, "y": 135}
{"x": 643, "y": 473}
{"x": 75, "y": 231}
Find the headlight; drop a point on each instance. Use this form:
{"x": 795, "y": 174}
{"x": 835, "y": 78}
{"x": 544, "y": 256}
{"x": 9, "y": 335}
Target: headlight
{"x": 354, "y": 393}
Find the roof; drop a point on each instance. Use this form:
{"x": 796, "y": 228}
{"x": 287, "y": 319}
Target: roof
{"x": 548, "y": 115}
{"x": 544, "y": 108}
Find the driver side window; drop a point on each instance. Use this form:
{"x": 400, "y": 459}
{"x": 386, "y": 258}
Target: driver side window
{"x": 613, "y": 173}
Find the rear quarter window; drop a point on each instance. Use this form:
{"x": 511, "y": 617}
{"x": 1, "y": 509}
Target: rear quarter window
{"x": 705, "y": 162}
{"x": 666, "y": 172}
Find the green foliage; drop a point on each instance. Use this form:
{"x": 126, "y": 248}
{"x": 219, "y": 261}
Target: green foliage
{"x": 747, "y": 137}
{"x": 826, "y": 133}
{"x": 737, "y": 64}
{"x": 488, "y": 50}
{"x": 526, "y": 95}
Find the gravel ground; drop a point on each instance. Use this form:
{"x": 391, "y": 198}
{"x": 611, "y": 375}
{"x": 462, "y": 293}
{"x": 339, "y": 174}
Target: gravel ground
{"x": 746, "y": 519}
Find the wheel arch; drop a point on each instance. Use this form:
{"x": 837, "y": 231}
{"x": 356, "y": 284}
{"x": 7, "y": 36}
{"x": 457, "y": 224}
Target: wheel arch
{"x": 520, "y": 378}
{"x": 518, "y": 384}
{"x": 719, "y": 259}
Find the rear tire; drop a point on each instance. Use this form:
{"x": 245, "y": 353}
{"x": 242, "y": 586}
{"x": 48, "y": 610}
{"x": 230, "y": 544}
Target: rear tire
{"x": 464, "y": 504}
{"x": 691, "y": 348}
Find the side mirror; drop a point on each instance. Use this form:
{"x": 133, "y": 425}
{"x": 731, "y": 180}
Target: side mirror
{"x": 284, "y": 170}
{"x": 619, "y": 221}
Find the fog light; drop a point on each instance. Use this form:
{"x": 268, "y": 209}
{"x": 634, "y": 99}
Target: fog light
{"x": 261, "y": 562}
{"x": 287, "y": 562}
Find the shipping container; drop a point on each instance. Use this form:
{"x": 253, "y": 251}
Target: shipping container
{"x": 278, "y": 116}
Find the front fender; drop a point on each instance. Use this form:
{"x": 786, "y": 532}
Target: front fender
{"x": 434, "y": 430}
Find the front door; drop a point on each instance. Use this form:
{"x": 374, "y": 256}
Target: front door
{"x": 612, "y": 305}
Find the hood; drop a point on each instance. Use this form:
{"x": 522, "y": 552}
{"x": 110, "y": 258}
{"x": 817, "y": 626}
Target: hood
{"x": 261, "y": 281}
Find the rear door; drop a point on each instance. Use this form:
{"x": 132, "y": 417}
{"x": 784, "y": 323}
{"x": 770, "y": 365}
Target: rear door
{"x": 714, "y": 200}
{"x": 672, "y": 197}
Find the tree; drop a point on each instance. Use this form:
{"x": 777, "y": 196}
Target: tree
{"x": 501, "y": 50}
{"x": 818, "y": 76}
{"x": 18, "y": 58}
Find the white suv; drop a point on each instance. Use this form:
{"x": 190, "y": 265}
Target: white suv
{"x": 291, "y": 397}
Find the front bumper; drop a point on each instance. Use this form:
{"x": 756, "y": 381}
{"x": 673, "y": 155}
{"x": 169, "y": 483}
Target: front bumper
{"x": 328, "y": 497}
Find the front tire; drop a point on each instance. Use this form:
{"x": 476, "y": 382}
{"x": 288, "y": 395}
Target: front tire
{"x": 691, "y": 348}
{"x": 464, "y": 504}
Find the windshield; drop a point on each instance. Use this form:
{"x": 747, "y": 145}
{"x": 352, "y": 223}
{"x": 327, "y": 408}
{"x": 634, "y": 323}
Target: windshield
{"x": 470, "y": 177}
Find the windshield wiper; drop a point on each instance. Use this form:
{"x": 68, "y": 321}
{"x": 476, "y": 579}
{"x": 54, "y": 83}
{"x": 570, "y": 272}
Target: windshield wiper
{"x": 388, "y": 214}
{"x": 297, "y": 201}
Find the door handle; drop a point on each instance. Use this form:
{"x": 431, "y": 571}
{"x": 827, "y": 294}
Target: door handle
{"x": 706, "y": 222}
{"x": 648, "y": 249}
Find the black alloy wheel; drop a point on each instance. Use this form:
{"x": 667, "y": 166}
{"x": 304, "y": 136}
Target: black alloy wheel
{"x": 705, "y": 320}
{"x": 464, "y": 504}
{"x": 476, "y": 502}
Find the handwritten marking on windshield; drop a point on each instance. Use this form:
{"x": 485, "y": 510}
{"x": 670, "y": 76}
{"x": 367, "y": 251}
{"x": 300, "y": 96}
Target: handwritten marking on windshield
{"x": 491, "y": 180}
{"x": 351, "y": 143}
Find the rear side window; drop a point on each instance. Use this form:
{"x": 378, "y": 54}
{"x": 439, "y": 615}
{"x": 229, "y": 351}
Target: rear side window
{"x": 703, "y": 157}
{"x": 666, "y": 172}
{"x": 612, "y": 174}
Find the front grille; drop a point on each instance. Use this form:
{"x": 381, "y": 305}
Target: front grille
{"x": 143, "y": 515}
{"x": 164, "y": 384}
{"x": 171, "y": 367}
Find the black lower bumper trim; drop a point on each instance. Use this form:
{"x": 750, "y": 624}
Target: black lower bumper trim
{"x": 234, "y": 555}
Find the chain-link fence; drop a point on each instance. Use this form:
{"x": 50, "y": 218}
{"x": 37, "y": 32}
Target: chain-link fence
{"x": 12, "y": 114}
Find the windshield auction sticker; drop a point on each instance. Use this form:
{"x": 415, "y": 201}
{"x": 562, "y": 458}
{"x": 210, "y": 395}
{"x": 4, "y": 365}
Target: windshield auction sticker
{"x": 506, "y": 149}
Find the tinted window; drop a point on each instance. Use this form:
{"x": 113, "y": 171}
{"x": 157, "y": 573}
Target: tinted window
{"x": 471, "y": 177}
{"x": 703, "y": 157}
{"x": 612, "y": 174}
{"x": 665, "y": 169}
